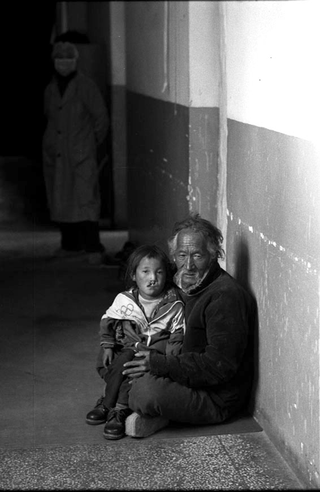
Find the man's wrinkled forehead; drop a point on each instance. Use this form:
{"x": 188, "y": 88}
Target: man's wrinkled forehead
{"x": 191, "y": 238}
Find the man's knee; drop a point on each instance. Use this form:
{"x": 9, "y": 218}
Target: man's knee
{"x": 145, "y": 395}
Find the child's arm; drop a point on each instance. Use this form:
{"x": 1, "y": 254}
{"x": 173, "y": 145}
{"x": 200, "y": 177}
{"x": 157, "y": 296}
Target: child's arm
{"x": 107, "y": 339}
{"x": 107, "y": 356}
{"x": 116, "y": 332}
{"x": 107, "y": 332}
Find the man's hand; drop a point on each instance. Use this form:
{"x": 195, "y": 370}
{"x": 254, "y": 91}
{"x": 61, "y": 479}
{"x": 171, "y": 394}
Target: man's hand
{"x": 138, "y": 366}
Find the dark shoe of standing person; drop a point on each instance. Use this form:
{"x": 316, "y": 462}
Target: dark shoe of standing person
{"x": 99, "y": 414}
{"x": 115, "y": 426}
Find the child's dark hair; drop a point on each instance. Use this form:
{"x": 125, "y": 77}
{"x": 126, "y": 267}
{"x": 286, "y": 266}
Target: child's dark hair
{"x": 147, "y": 251}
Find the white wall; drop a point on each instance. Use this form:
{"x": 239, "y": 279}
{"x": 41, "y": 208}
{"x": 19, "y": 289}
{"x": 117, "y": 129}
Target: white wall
{"x": 273, "y": 73}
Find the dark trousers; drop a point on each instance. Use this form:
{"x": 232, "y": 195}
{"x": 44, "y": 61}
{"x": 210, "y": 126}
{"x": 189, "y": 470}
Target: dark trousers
{"x": 153, "y": 396}
{"x": 80, "y": 236}
{"x": 117, "y": 384}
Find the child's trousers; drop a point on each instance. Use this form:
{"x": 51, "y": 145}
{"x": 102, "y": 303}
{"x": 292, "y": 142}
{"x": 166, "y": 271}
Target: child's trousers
{"x": 117, "y": 384}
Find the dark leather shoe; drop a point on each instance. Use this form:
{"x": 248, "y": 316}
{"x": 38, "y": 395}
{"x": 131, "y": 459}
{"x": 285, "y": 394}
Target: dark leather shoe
{"x": 99, "y": 414}
{"x": 115, "y": 426}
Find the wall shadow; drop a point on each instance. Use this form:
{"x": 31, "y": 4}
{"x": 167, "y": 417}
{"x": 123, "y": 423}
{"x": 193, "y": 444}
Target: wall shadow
{"x": 242, "y": 275}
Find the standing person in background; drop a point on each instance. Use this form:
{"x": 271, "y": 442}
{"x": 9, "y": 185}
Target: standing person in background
{"x": 77, "y": 124}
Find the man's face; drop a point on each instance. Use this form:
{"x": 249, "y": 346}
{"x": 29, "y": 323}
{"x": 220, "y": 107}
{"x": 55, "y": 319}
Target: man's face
{"x": 191, "y": 258}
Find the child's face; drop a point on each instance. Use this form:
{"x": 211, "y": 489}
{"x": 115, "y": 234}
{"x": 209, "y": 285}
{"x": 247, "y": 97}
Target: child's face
{"x": 150, "y": 277}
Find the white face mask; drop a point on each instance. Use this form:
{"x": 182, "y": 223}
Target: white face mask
{"x": 65, "y": 66}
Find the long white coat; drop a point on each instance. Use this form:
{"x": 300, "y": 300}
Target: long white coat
{"x": 76, "y": 124}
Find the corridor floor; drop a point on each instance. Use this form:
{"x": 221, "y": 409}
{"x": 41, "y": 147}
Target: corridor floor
{"x": 50, "y": 312}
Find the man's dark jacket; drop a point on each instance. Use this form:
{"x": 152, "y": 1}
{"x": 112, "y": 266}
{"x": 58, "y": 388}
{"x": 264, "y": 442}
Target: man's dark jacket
{"x": 217, "y": 351}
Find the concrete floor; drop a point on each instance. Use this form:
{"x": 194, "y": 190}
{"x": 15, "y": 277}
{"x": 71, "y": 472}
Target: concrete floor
{"x": 50, "y": 312}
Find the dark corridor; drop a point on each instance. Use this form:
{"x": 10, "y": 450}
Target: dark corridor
{"x": 27, "y": 69}
{"x": 25, "y": 55}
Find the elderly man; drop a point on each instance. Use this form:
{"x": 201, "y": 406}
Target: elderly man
{"x": 211, "y": 379}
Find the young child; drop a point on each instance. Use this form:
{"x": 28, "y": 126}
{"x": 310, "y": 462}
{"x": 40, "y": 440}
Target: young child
{"x": 147, "y": 316}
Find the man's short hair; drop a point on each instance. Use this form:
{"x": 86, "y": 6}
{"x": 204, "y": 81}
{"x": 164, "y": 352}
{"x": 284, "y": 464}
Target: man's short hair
{"x": 211, "y": 234}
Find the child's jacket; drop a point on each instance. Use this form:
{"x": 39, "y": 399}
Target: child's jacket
{"x": 126, "y": 324}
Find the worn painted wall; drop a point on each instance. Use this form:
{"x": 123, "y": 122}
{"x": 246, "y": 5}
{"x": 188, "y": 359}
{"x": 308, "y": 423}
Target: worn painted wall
{"x": 271, "y": 103}
{"x": 204, "y": 54}
{"x": 273, "y": 204}
{"x": 157, "y": 50}
{"x": 158, "y": 174}
{"x": 158, "y": 119}
{"x": 118, "y": 43}
{"x": 119, "y": 111}
{"x": 203, "y": 161}
{"x": 172, "y": 56}
{"x": 204, "y": 104}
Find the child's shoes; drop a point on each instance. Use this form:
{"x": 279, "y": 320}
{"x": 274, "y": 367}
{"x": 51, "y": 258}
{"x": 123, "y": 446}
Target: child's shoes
{"x": 115, "y": 426}
{"x": 99, "y": 414}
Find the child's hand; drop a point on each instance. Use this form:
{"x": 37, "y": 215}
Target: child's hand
{"x": 107, "y": 356}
